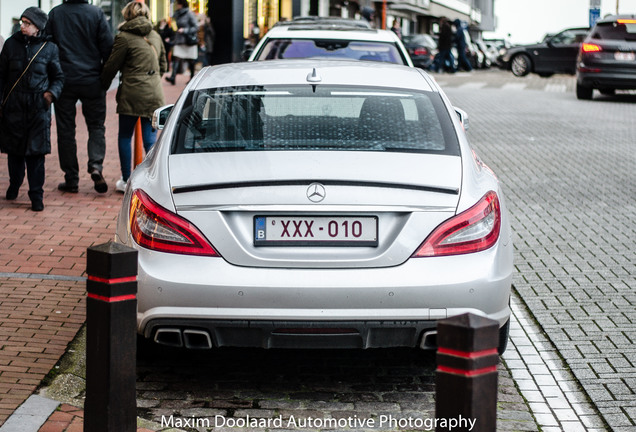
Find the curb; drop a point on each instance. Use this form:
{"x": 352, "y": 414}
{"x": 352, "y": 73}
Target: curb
{"x": 31, "y": 415}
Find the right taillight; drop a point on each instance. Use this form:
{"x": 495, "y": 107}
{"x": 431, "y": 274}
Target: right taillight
{"x": 473, "y": 230}
{"x": 421, "y": 51}
{"x": 590, "y": 47}
{"x": 157, "y": 228}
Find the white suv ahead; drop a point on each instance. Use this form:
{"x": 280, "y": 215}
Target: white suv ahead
{"x": 330, "y": 39}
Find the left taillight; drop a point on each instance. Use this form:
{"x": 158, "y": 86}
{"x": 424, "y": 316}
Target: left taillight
{"x": 421, "y": 51}
{"x": 158, "y": 229}
{"x": 473, "y": 230}
{"x": 590, "y": 47}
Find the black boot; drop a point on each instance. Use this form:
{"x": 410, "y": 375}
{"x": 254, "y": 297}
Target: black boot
{"x": 12, "y": 192}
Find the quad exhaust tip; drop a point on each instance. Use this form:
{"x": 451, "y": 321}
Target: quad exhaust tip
{"x": 429, "y": 340}
{"x": 189, "y": 338}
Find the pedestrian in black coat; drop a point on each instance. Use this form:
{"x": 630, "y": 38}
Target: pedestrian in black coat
{"x": 25, "y": 120}
{"x": 444, "y": 59}
{"x": 85, "y": 40}
{"x": 460, "y": 40}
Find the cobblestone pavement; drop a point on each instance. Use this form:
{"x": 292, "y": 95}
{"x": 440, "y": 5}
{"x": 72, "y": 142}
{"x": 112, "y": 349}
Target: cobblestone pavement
{"x": 504, "y": 80}
{"x": 568, "y": 168}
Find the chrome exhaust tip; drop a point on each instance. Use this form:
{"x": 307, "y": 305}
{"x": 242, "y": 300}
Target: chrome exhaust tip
{"x": 169, "y": 337}
{"x": 197, "y": 339}
{"x": 429, "y": 340}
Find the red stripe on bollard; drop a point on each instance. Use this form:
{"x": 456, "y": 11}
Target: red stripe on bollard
{"x": 112, "y": 299}
{"x": 465, "y": 354}
{"x": 467, "y": 373}
{"x": 112, "y": 281}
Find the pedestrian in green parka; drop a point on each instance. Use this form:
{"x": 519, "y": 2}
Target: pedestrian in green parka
{"x": 139, "y": 54}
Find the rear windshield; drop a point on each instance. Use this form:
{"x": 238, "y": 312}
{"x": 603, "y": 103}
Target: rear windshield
{"x": 622, "y": 31}
{"x": 332, "y": 49}
{"x": 314, "y": 118}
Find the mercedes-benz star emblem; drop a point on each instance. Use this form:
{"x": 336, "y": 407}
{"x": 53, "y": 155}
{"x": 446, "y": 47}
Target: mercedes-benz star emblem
{"x": 316, "y": 192}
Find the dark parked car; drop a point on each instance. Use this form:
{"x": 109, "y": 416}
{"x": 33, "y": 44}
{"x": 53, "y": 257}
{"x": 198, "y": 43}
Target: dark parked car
{"x": 607, "y": 59}
{"x": 422, "y": 48}
{"x": 556, "y": 54}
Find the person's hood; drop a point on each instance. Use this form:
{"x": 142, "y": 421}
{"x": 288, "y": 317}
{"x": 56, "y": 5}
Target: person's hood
{"x": 75, "y": 1}
{"x": 140, "y": 26}
{"x": 180, "y": 12}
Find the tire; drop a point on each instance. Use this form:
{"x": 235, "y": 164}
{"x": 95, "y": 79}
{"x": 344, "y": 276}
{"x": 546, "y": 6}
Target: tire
{"x": 584, "y": 93}
{"x": 504, "y": 333}
{"x": 608, "y": 92}
{"x": 520, "y": 65}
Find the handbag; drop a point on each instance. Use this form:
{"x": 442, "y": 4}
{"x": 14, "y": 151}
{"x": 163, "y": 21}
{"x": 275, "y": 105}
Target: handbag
{"x": 191, "y": 39}
{"x": 20, "y": 77}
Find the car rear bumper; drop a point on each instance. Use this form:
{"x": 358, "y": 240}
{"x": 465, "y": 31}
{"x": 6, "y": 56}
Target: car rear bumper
{"x": 209, "y": 299}
{"x": 607, "y": 80}
{"x": 422, "y": 62}
{"x": 206, "y": 334}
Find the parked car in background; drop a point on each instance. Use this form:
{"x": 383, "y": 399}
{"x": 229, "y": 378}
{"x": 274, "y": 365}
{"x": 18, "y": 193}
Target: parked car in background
{"x": 556, "y": 54}
{"x": 489, "y": 57}
{"x": 314, "y": 204}
{"x": 422, "y": 48}
{"x": 607, "y": 58}
{"x": 500, "y": 46}
{"x": 332, "y": 40}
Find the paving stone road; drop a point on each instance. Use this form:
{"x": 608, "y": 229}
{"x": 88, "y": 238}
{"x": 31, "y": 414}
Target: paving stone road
{"x": 569, "y": 171}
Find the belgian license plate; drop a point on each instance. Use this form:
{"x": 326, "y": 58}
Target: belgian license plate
{"x": 315, "y": 231}
{"x": 624, "y": 56}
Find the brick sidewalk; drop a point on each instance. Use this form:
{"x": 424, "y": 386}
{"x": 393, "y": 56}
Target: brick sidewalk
{"x": 42, "y": 264}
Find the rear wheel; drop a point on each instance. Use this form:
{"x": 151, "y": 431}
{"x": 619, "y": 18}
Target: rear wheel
{"x": 584, "y": 93}
{"x": 520, "y": 65}
{"x": 504, "y": 333}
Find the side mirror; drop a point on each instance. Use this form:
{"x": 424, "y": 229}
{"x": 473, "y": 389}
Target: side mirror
{"x": 160, "y": 116}
{"x": 463, "y": 117}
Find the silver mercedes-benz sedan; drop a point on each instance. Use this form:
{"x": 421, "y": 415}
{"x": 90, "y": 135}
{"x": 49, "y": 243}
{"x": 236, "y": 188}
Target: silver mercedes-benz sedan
{"x": 314, "y": 204}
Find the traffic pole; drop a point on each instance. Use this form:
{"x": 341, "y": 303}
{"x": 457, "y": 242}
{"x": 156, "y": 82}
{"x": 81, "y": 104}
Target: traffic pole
{"x": 139, "y": 145}
{"x": 466, "y": 376}
{"x": 111, "y": 339}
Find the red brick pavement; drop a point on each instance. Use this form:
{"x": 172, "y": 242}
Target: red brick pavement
{"x": 42, "y": 264}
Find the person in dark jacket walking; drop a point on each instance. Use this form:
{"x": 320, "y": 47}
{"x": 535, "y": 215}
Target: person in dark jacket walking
{"x": 164, "y": 29}
{"x": 460, "y": 42}
{"x": 140, "y": 55}
{"x": 31, "y": 79}
{"x": 85, "y": 41}
{"x": 186, "y": 44}
{"x": 208, "y": 41}
{"x": 444, "y": 59}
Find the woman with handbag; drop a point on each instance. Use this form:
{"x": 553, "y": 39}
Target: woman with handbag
{"x": 31, "y": 78}
{"x": 138, "y": 52}
{"x": 186, "y": 41}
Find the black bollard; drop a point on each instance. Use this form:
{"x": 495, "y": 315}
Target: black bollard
{"x": 466, "y": 376}
{"x": 111, "y": 339}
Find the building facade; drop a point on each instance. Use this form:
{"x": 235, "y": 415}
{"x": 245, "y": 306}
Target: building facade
{"x": 241, "y": 22}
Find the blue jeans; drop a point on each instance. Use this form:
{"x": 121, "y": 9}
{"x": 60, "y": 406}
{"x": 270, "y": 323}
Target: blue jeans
{"x": 126, "y": 128}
